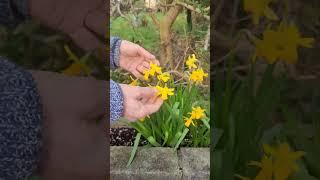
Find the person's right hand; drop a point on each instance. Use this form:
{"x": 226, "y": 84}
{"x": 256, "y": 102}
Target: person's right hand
{"x": 139, "y": 102}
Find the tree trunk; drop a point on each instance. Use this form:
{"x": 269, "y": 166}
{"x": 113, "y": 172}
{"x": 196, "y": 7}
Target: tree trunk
{"x": 165, "y": 25}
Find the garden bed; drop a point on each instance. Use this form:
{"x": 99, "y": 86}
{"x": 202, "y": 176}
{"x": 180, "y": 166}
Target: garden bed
{"x": 155, "y": 162}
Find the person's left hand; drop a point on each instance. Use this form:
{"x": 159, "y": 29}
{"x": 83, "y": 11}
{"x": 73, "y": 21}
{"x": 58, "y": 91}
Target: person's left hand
{"x": 135, "y": 59}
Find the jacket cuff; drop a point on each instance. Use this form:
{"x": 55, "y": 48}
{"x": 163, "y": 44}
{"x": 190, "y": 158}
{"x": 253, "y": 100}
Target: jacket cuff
{"x": 115, "y": 43}
{"x": 116, "y": 101}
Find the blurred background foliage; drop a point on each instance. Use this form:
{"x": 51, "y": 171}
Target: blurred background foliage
{"x": 256, "y": 107}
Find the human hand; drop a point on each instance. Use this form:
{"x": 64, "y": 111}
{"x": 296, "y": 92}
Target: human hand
{"x": 135, "y": 59}
{"x": 83, "y": 20}
{"x": 139, "y": 102}
{"x": 74, "y": 126}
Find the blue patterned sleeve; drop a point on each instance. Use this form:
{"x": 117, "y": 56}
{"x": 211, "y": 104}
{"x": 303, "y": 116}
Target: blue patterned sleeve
{"x": 116, "y": 96}
{"x": 116, "y": 101}
{"x": 115, "y": 43}
{"x": 20, "y": 122}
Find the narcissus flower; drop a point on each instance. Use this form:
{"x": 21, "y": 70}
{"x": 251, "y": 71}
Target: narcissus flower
{"x": 154, "y": 68}
{"x": 146, "y": 75}
{"x": 164, "y": 77}
{"x": 259, "y": 8}
{"x": 164, "y": 92}
{"x": 191, "y": 61}
{"x": 197, "y": 113}
{"x": 134, "y": 82}
{"x": 198, "y": 75}
{"x": 188, "y": 121}
{"x": 281, "y": 44}
{"x": 284, "y": 160}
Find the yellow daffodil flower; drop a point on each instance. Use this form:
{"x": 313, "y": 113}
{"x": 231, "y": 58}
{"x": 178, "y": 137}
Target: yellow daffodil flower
{"x": 191, "y": 61}
{"x": 290, "y": 40}
{"x": 197, "y": 113}
{"x": 198, "y": 75}
{"x": 164, "y": 77}
{"x": 77, "y": 68}
{"x": 188, "y": 121}
{"x": 134, "y": 82}
{"x": 281, "y": 44}
{"x": 268, "y": 47}
{"x": 154, "y": 68}
{"x": 259, "y": 8}
{"x": 266, "y": 168}
{"x": 146, "y": 75}
{"x": 284, "y": 160}
{"x": 164, "y": 92}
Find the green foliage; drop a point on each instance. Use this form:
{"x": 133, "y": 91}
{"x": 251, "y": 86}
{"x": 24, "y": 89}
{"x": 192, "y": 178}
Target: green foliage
{"x": 242, "y": 111}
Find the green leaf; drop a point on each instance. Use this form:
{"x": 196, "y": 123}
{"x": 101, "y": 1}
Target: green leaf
{"x": 153, "y": 141}
{"x": 134, "y": 150}
{"x": 217, "y": 134}
{"x": 185, "y": 131}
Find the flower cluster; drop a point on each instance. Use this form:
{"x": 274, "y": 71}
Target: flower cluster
{"x": 197, "y": 75}
{"x": 277, "y": 44}
{"x": 196, "y": 114}
{"x": 278, "y": 162}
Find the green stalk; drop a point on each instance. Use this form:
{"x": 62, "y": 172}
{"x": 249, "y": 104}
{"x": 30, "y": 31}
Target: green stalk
{"x": 206, "y": 123}
{"x": 186, "y": 130}
{"x": 153, "y": 141}
{"x": 166, "y": 136}
{"x": 175, "y": 139}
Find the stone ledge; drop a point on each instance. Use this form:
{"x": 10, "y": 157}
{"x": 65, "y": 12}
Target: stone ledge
{"x": 158, "y": 163}
{"x": 195, "y": 163}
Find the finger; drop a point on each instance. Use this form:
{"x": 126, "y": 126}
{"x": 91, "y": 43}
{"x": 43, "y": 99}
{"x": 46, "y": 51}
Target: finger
{"x": 95, "y": 21}
{"x": 146, "y": 64}
{"x": 156, "y": 62}
{"x": 144, "y": 53}
{"x": 137, "y": 74}
{"x": 88, "y": 42}
{"x": 154, "y": 107}
{"x": 147, "y": 92}
{"x": 142, "y": 69}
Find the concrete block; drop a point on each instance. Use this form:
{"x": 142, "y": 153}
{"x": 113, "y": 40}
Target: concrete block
{"x": 195, "y": 163}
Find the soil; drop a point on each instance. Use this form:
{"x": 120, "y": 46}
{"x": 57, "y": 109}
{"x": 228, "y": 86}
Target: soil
{"x": 124, "y": 137}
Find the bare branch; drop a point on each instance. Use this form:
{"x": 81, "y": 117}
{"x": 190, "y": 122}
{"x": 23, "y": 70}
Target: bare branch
{"x": 187, "y": 6}
{"x": 155, "y": 19}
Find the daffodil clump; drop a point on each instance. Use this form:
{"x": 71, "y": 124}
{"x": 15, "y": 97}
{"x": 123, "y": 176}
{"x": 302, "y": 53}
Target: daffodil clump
{"x": 278, "y": 163}
{"x": 197, "y": 74}
{"x": 169, "y": 126}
